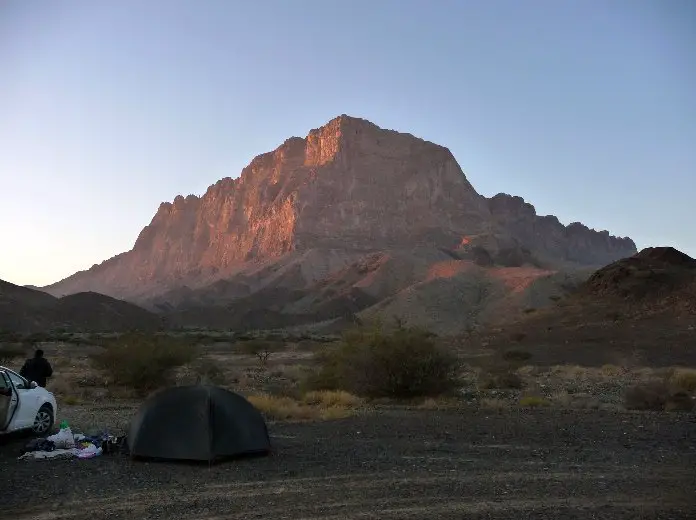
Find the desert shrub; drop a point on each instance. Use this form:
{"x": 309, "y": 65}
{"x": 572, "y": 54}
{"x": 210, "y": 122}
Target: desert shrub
{"x": 441, "y": 403}
{"x": 493, "y": 403}
{"x": 209, "y": 372}
{"x": 71, "y": 400}
{"x": 516, "y": 355}
{"x": 89, "y": 381}
{"x": 283, "y": 408}
{"x": 534, "y": 401}
{"x": 684, "y": 379}
{"x": 143, "y": 362}
{"x": 613, "y": 316}
{"x": 649, "y": 396}
{"x": 679, "y": 402}
{"x": 7, "y": 336}
{"x": 11, "y": 351}
{"x": 332, "y": 398}
{"x": 260, "y": 348}
{"x": 500, "y": 380}
{"x": 37, "y": 337}
{"x": 371, "y": 362}
{"x": 611, "y": 370}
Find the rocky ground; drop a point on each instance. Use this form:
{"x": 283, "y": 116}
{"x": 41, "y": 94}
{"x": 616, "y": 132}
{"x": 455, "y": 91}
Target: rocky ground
{"x": 544, "y": 463}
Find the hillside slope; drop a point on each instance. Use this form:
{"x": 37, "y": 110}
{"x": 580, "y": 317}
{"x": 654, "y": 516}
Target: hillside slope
{"x": 25, "y": 310}
{"x": 638, "y": 310}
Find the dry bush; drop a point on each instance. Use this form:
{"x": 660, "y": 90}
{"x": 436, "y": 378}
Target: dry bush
{"x": 68, "y": 392}
{"x": 143, "y": 362}
{"x": 562, "y": 398}
{"x": 209, "y": 372}
{"x": 570, "y": 371}
{"x": 332, "y": 398}
{"x": 534, "y": 401}
{"x": 611, "y": 370}
{"x": 438, "y": 404}
{"x": 517, "y": 356}
{"x": 283, "y": 408}
{"x": 370, "y": 362}
{"x": 683, "y": 379}
{"x": 260, "y": 348}
{"x": 648, "y": 396}
{"x": 493, "y": 403}
{"x": 11, "y": 351}
{"x": 335, "y": 412}
{"x": 312, "y": 409}
{"x": 679, "y": 402}
{"x": 500, "y": 380}
{"x": 60, "y": 386}
{"x": 71, "y": 400}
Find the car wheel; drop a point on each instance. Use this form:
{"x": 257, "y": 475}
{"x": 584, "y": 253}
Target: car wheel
{"x": 43, "y": 422}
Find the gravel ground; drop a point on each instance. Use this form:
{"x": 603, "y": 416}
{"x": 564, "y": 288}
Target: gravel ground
{"x": 395, "y": 464}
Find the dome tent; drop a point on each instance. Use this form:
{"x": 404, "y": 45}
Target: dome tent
{"x": 197, "y": 423}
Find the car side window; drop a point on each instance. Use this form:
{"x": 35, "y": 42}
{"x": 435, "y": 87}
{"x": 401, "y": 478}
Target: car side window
{"x": 18, "y": 381}
{"x": 4, "y": 382}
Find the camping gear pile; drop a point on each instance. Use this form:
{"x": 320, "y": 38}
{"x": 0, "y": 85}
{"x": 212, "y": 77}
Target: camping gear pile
{"x": 66, "y": 444}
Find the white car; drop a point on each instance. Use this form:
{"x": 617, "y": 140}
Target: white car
{"x": 24, "y": 405}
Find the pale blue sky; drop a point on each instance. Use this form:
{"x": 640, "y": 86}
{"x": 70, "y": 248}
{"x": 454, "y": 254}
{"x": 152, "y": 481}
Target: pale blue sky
{"x": 587, "y": 109}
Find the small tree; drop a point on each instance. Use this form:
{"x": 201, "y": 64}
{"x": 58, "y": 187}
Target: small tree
{"x": 261, "y": 348}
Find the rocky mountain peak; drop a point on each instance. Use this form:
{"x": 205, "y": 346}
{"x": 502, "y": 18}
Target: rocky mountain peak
{"x": 348, "y": 185}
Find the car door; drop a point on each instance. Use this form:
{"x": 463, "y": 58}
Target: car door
{"x": 28, "y": 401}
{"x": 8, "y": 403}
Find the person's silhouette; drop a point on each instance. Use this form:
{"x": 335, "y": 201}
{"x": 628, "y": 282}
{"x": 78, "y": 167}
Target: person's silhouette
{"x": 37, "y": 369}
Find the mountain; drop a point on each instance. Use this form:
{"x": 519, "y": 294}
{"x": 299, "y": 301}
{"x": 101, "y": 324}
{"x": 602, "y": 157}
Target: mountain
{"x": 637, "y": 310}
{"x": 26, "y": 310}
{"x": 316, "y": 207}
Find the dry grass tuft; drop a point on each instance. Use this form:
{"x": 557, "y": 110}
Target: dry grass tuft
{"x": 562, "y": 398}
{"x": 335, "y": 412}
{"x": 684, "y": 380}
{"x": 284, "y": 408}
{"x": 612, "y": 370}
{"x": 502, "y": 380}
{"x": 534, "y": 401}
{"x": 680, "y": 402}
{"x": 438, "y": 404}
{"x": 647, "y": 396}
{"x": 570, "y": 371}
{"x": 331, "y": 398}
{"x": 320, "y": 405}
{"x": 493, "y": 403}
{"x": 516, "y": 355}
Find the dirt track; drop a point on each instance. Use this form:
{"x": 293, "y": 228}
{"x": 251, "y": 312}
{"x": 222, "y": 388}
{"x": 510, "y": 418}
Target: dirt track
{"x": 399, "y": 464}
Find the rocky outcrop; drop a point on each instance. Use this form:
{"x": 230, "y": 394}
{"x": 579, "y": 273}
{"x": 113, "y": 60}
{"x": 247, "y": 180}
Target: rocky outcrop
{"x": 348, "y": 185}
{"x": 550, "y": 239}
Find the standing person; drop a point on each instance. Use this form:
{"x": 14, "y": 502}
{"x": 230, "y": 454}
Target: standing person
{"x": 37, "y": 369}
